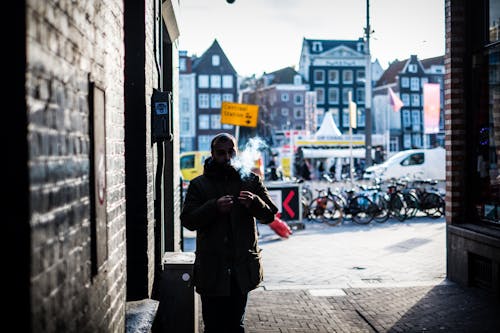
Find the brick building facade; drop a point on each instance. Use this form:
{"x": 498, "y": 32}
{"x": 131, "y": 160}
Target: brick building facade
{"x": 88, "y": 175}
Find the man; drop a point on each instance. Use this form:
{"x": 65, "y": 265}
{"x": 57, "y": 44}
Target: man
{"x": 223, "y": 207}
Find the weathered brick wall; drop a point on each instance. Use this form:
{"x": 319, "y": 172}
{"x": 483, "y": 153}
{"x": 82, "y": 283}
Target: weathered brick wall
{"x": 70, "y": 42}
{"x": 455, "y": 110}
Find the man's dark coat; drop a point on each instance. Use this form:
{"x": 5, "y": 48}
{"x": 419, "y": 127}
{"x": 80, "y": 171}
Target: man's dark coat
{"x": 226, "y": 243}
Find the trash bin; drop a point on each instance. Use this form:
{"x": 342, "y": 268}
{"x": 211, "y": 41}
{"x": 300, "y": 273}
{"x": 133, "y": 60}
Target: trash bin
{"x": 178, "y": 308}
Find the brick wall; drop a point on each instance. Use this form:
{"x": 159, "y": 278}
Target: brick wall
{"x": 70, "y": 42}
{"x": 455, "y": 111}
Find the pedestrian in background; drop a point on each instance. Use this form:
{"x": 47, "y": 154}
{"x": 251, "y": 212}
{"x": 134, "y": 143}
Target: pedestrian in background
{"x": 222, "y": 206}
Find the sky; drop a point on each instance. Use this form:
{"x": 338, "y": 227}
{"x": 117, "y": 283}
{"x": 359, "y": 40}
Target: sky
{"x": 261, "y": 36}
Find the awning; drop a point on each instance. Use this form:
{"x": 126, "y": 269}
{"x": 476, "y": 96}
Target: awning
{"x": 329, "y": 153}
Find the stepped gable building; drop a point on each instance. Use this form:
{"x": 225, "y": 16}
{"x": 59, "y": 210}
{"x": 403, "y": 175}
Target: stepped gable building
{"x": 407, "y": 77}
{"x": 333, "y": 68}
{"x": 215, "y": 81}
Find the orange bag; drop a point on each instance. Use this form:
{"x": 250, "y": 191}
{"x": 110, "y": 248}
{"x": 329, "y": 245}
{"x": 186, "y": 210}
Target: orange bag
{"x": 280, "y": 227}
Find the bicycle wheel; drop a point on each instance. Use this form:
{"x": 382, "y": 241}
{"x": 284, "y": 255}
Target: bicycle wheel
{"x": 382, "y": 213}
{"x": 433, "y": 205}
{"x": 362, "y": 209}
{"x": 397, "y": 206}
{"x": 332, "y": 215}
{"x": 412, "y": 205}
{"x": 317, "y": 208}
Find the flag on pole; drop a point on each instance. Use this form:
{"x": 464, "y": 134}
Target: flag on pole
{"x": 431, "y": 107}
{"x": 352, "y": 115}
{"x": 394, "y": 100}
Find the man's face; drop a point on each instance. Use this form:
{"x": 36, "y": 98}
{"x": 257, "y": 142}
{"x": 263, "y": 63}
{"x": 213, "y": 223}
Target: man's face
{"x": 223, "y": 152}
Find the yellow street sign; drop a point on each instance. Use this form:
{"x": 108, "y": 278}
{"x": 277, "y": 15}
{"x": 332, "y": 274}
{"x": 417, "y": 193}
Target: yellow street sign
{"x": 239, "y": 114}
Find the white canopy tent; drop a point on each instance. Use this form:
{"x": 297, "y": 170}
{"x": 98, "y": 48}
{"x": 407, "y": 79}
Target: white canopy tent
{"x": 334, "y": 152}
{"x": 328, "y": 128}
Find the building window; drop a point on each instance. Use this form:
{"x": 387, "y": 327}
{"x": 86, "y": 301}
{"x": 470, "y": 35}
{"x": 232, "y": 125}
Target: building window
{"x": 361, "y": 47}
{"x": 412, "y": 68}
{"x": 320, "y": 95}
{"x": 298, "y": 99}
{"x": 284, "y": 112}
{"x": 185, "y": 124}
{"x": 345, "y": 117}
{"x": 227, "y": 81}
{"x": 360, "y": 75}
{"x": 215, "y": 121}
{"x": 182, "y": 64}
{"x": 345, "y": 95}
{"x": 415, "y": 120}
{"x": 298, "y": 113}
{"x": 361, "y": 117}
{"x": 333, "y": 95}
{"x": 360, "y": 95}
{"x": 204, "y": 142}
{"x": 319, "y": 76}
{"x": 333, "y": 76}
{"x": 215, "y": 60}
{"x": 405, "y": 98}
{"x": 215, "y": 101}
{"x": 285, "y": 97}
{"x": 485, "y": 117}
{"x": 347, "y": 76}
{"x": 406, "y": 118}
{"x": 203, "y": 121}
{"x": 424, "y": 80}
{"x": 214, "y": 81}
{"x": 417, "y": 141}
{"x": 226, "y": 126}
{"x": 405, "y": 82}
{"x": 227, "y": 97}
{"x": 415, "y": 99}
{"x": 414, "y": 84}
{"x": 203, "y": 81}
{"x": 407, "y": 141}
{"x": 297, "y": 79}
{"x": 203, "y": 102}
{"x": 317, "y": 47}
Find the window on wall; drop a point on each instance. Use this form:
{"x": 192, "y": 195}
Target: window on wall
{"x": 203, "y": 121}
{"x": 227, "y": 81}
{"x": 485, "y": 115}
{"x": 333, "y": 76}
{"x": 320, "y": 95}
{"x": 203, "y": 81}
{"x": 414, "y": 83}
{"x": 203, "y": 102}
{"x": 361, "y": 117}
{"x": 215, "y": 60}
{"x": 298, "y": 113}
{"x": 345, "y": 95}
{"x": 298, "y": 99}
{"x": 227, "y": 97}
{"x": 405, "y": 82}
{"x": 415, "y": 99}
{"x": 347, "y": 76}
{"x": 360, "y": 95}
{"x": 319, "y": 76}
{"x": 204, "y": 142}
{"x": 405, "y": 98}
{"x": 406, "y": 118}
{"x": 215, "y": 101}
{"x": 285, "y": 97}
{"x": 215, "y": 121}
{"x": 215, "y": 81}
{"x": 345, "y": 117}
{"x": 333, "y": 95}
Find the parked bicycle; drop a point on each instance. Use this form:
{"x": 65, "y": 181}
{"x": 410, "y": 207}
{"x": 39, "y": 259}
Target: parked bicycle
{"x": 324, "y": 209}
{"x": 427, "y": 199}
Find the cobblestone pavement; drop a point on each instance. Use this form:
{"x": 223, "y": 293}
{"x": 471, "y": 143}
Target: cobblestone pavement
{"x": 387, "y": 277}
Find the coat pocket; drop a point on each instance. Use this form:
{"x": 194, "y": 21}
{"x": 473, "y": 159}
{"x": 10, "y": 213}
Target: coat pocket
{"x": 250, "y": 271}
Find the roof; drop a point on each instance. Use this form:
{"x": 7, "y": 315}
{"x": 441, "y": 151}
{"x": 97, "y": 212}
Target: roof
{"x": 391, "y": 72}
{"x": 285, "y": 75}
{"x": 215, "y": 48}
{"x": 329, "y": 44}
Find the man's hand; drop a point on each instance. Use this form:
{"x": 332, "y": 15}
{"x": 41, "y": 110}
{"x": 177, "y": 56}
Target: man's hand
{"x": 246, "y": 198}
{"x": 225, "y": 203}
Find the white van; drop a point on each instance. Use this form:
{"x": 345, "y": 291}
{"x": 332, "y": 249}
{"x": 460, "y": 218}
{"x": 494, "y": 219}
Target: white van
{"x": 413, "y": 163}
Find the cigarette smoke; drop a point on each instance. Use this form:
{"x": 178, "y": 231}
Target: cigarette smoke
{"x": 245, "y": 159}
